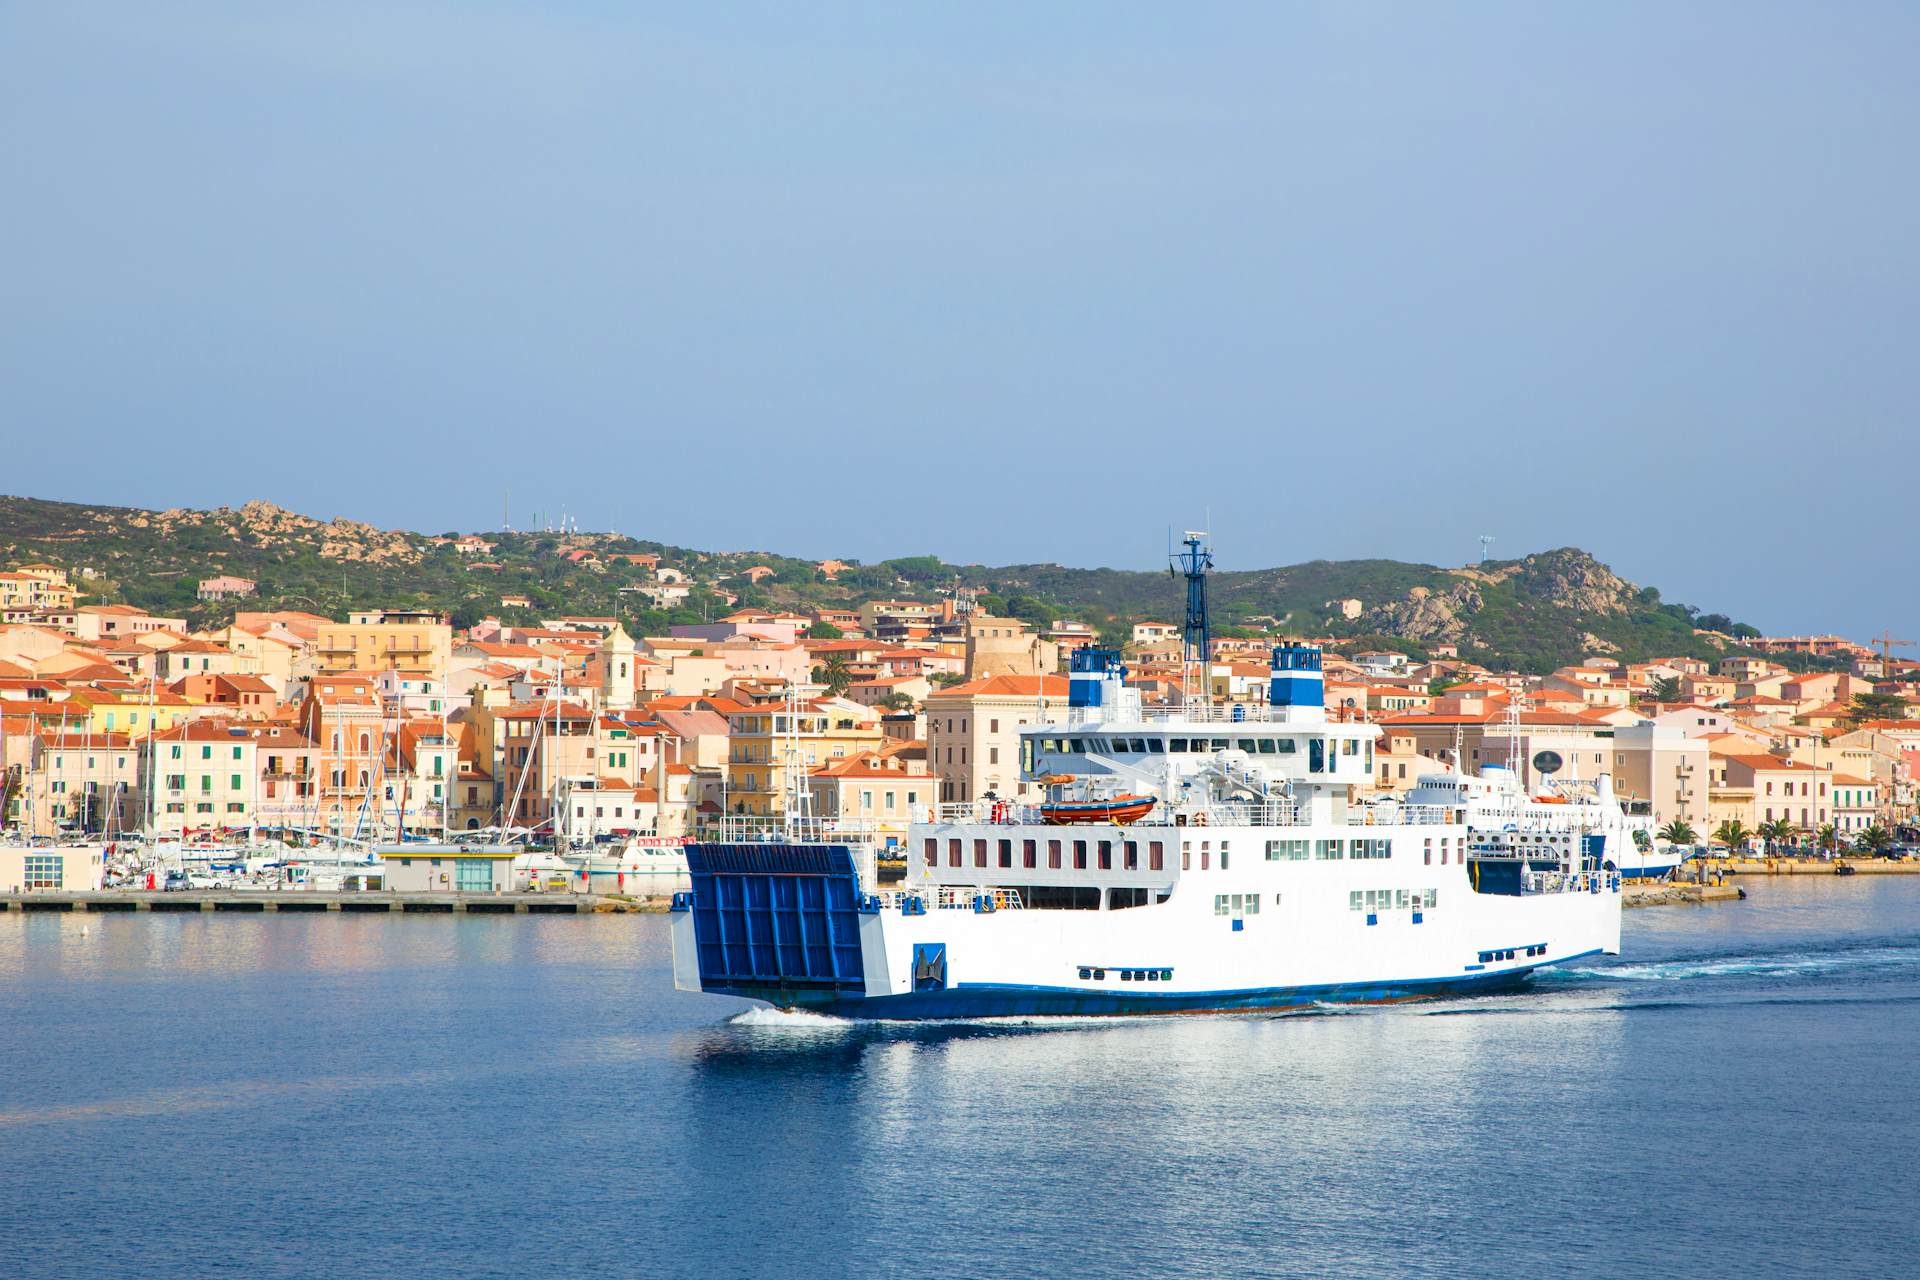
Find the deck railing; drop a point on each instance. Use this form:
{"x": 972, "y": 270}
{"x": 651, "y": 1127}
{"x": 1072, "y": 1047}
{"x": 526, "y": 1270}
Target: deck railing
{"x": 743, "y": 828}
{"x": 952, "y": 897}
{"x": 1220, "y": 813}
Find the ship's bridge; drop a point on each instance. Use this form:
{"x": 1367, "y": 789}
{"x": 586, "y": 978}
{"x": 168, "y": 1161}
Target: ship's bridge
{"x": 1286, "y": 742}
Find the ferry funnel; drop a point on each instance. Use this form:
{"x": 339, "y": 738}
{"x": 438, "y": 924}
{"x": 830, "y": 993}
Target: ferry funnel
{"x": 1295, "y": 678}
{"x": 1088, "y": 672}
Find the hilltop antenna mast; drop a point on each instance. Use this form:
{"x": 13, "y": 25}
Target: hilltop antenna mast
{"x": 1196, "y": 647}
{"x": 1486, "y": 540}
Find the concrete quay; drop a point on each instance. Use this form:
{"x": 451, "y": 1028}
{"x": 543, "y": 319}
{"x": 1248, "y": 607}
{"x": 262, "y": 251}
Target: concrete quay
{"x": 314, "y": 900}
{"x": 1818, "y": 867}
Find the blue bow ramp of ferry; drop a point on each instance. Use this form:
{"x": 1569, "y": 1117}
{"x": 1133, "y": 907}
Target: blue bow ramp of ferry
{"x": 776, "y": 918}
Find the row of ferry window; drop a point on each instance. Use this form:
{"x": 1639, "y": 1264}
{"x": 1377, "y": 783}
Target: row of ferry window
{"x": 1030, "y": 854}
{"x": 1238, "y": 904}
{"x": 1102, "y": 853}
{"x": 1488, "y": 957}
{"x": 1327, "y": 850}
{"x": 1089, "y": 972}
{"x": 1391, "y": 899}
{"x": 1179, "y": 745}
{"x": 1317, "y": 748}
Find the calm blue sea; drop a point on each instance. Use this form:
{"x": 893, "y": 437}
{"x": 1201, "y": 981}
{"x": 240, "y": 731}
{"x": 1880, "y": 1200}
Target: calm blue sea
{"x": 528, "y": 1097}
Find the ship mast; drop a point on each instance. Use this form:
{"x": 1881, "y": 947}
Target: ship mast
{"x": 1196, "y": 646}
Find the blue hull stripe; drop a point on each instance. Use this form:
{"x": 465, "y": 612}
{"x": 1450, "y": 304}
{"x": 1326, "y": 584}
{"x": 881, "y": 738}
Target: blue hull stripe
{"x": 990, "y": 1000}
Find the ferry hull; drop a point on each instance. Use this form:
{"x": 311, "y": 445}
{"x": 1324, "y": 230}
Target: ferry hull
{"x": 790, "y": 926}
{"x": 986, "y": 1000}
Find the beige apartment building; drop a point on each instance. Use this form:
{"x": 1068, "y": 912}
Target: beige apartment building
{"x": 973, "y": 732}
{"x": 1662, "y": 767}
{"x": 120, "y": 622}
{"x": 764, "y": 741}
{"x": 386, "y": 640}
{"x": 204, "y": 777}
{"x": 882, "y": 793}
{"x": 81, "y": 781}
{"x": 1777, "y": 789}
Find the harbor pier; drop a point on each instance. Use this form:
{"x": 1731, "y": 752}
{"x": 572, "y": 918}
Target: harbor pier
{"x": 313, "y": 900}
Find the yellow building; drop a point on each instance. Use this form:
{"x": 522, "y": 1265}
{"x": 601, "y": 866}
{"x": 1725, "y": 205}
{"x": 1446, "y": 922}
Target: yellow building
{"x": 878, "y": 793}
{"x": 133, "y": 713}
{"x": 37, "y": 588}
{"x": 386, "y": 640}
{"x": 763, "y": 740}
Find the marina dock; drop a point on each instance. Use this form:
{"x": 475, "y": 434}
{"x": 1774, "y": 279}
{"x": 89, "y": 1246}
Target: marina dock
{"x": 311, "y": 900}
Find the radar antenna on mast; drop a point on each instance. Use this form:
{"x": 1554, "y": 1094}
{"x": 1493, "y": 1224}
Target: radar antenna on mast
{"x": 1197, "y": 636}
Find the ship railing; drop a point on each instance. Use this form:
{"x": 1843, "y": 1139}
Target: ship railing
{"x": 757, "y": 829}
{"x": 1278, "y": 811}
{"x": 1249, "y": 813}
{"x": 1211, "y": 713}
{"x": 1548, "y": 882}
{"x": 986, "y": 812}
{"x": 952, "y": 897}
{"x": 1410, "y": 815}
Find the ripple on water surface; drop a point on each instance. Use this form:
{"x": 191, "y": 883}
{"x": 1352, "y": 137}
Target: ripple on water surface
{"x": 529, "y": 1097}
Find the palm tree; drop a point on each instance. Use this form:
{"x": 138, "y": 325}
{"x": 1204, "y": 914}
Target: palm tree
{"x": 1775, "y": 833}
{"x": 833, "y": 674}
{"x": 1873, "y": 839}
{"x": 1732, "y": 833}
{"x": 1828, "y": 837}
{"x": 1678, "y": 832}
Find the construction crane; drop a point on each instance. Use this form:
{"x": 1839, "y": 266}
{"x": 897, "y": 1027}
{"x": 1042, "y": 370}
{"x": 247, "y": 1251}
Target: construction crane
{"x": 1886, "y": 641}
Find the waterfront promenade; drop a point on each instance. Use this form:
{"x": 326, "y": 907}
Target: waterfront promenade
{"x": 318, "y": 900}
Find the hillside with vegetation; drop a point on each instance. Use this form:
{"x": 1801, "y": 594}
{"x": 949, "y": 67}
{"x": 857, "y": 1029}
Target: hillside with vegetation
{"x": 1534, "y": 613}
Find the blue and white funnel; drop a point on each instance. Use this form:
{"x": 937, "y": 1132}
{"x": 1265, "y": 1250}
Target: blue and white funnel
{"x": 1090, "y": 671}
{"x": 1295, "y": 679}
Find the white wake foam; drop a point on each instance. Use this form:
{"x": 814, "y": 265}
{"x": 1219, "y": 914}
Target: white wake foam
{"x": 788, "y": 1019}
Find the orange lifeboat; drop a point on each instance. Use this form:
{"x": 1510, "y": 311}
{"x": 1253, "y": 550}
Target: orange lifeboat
{"x": 1118, "y": 810}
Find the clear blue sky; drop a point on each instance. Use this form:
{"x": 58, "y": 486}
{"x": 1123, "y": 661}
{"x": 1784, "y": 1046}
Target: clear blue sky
{"x": 998, "y": 282}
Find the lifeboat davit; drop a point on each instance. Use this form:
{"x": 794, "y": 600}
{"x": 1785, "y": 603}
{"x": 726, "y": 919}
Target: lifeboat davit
{"x": 1119, "y": 810}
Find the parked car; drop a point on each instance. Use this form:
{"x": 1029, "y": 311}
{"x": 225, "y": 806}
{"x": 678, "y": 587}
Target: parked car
{"x": 176, "y": 880}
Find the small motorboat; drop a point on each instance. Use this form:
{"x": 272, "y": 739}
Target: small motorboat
{"x": 1117, "y": 810}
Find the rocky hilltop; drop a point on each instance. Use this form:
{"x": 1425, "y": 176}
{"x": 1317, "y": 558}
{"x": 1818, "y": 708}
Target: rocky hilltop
{"x": 1534, "y": 613}
{"x": 262, "y": 524}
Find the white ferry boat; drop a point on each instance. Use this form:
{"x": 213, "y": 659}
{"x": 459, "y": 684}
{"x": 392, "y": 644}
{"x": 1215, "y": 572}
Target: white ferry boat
{"x": 1496, "y": 801}
{"x": 1206, "y": 858}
